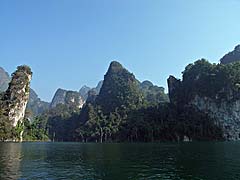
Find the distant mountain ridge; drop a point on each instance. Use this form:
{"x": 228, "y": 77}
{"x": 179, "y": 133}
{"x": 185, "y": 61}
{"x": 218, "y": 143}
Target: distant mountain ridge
{"x": 85, "y": 90}
{"x": 4, "y": 80}
{"x": 36, "y": 105}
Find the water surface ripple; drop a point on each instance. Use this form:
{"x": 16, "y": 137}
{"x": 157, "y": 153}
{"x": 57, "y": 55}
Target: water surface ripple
{"x": 138, "y": 161}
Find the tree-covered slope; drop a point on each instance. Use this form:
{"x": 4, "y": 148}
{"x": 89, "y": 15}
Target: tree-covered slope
{"x": 152, "y": 93}
{"x": 119, "y": 90}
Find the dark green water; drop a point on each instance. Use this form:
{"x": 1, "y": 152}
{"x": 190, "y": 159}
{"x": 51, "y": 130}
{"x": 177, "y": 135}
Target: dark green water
{"x": 53, "y": 161}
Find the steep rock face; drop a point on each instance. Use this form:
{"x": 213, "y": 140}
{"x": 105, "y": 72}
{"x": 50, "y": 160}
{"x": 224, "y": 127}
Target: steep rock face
{"x": 226, "y": 113}
{"x": 36, "y": 105}
{"x": 174, "y": 88}
{"x": 98, "y": 87}
{"x": 84, "y": 91}
{"x": 69, "y": 98}
{"x": 212, "y": 89}
{"x": 92, "y": 95}
{"x": 4, "y": 80}
{"x": 232, "y": 56}
{"x": 59, "y": 98}
{"x": 16, "y": 97}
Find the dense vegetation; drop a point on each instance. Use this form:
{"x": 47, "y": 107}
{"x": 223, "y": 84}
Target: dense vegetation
{"x": 126, "y": 110}
{"x": 216, "y": 81}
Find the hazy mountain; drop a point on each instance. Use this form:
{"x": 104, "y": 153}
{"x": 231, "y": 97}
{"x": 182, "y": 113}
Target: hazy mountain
{"x": 36, "y": 105}
{"x": 84, "y": 91}
{"x": 4, "y": 80}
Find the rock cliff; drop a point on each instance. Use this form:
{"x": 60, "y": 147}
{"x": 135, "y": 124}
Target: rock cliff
{"x": 35, "y": 105}
{"x": 212, "y": 89}
{"x": 232, "y": 56}
{"x": 69, "y": 98}
{"x": 15, "y": 99}
{"x": 84, "y": 92}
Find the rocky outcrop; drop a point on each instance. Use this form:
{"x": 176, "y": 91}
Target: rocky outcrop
{"x": 98, "y": 87}
{"x": 84, "y": 92}
{"x": 213, "y": 90}
{"x": 69, "y": 98}
{"x": 227, "y": 114}
{"x": 35, "y": 105}
{"x": 58, "y": 98}
{"x": 174, "y": 89}
{"x": 232, "y": 56}
{"x": 16, "y": 97}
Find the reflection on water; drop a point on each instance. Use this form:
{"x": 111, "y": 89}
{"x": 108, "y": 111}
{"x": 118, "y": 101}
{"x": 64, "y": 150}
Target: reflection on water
{"x": 55, "y": 161}
{"x": 10, "y": 158}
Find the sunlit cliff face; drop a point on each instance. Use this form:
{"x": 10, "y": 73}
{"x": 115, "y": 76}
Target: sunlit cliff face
{"x": 18, "y": 94}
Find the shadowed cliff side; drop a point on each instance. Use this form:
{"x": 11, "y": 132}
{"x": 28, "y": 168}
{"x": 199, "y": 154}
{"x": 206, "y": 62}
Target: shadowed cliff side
{"x": 212, "y": 89}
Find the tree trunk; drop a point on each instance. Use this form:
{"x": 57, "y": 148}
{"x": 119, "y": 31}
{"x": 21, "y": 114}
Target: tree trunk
{"x": 101, "y": 135}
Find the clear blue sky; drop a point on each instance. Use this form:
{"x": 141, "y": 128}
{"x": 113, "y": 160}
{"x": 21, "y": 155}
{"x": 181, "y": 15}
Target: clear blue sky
{"x": 70, "y": 43}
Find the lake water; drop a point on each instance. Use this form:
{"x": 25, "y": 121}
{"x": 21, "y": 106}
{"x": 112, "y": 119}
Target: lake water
{"x": 54, "y": 161}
